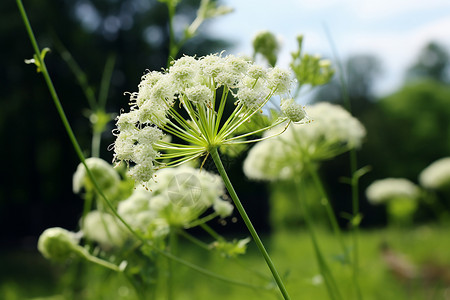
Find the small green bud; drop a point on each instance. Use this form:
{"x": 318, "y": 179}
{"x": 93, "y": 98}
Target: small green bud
{"x": 58, "y": 244}
{"x": 310, "y": 69}
{"x": 231, "y": 249}
{"x": 292, "y": 110}
{"x": 267, "y": 45}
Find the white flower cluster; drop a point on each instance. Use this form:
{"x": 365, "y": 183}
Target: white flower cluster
{"x": 193, "y": 83}
{"x": 179, "y": 196}
{"x": 332, "y": 131}
{"x": 384, "y": 190}
{"x": 436, "y": 175}
{"x": 104, "y": 228}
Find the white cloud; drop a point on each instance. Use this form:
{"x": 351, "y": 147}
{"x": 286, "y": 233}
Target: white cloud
{"x": 371, "y": 9}
{"x": 388, "y": 8}
{"x": 396, "y": 50}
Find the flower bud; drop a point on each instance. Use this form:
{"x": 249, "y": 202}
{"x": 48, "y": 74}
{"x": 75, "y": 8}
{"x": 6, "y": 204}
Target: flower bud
{"x": 292, "y": 110}
{"x": 106, "y": 176}
{"x": 223, "y": 208}
{"x": 58, "y": 244}
{"x": 266, "y": 43}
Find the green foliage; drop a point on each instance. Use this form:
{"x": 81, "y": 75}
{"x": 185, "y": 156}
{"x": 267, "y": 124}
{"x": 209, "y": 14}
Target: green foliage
{"x": 422, "y": 247}
{"x": 414, "y": 127}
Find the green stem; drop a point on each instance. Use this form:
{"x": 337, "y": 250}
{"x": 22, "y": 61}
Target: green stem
{"x": 201, "y": 220}
{"x": 215, "y": 155}
{"x": 101, "y": 262}
{"x": 96, "y": 141}
{"x": 325, "y": 201}
{"x": 212, "y": 232}
{"x": 194, "y": 240}
{"x": 173, "y": 47}
{"x": 330, "y": 283}
{"x": 172, "y": 250}
{"x": 355, "y": 226}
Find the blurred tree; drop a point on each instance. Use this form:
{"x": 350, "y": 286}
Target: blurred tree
{"x": 412, "y": 129}
{"x": 433, "y": 62}
{"x": 360, "y": 73}
{"x": 38, "y": 159}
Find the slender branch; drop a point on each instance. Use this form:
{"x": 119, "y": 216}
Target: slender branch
{"x": 215, "y": 155}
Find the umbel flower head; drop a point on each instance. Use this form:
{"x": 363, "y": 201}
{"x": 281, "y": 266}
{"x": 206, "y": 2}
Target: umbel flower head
{"x": 399, "y": 194}
{"x": 332, "y": 132}
{"x": 179, "y": 196}
{"x": 436, "y": 175}
{"x": 384, "y": 190}
{"x": 188, "y": 102}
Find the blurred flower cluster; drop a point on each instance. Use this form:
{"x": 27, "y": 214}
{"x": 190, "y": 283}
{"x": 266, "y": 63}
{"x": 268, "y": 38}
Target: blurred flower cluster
{"x": 402, "y": 196}
{"x": 181, "y": 198}
{"x": 331, "y": 132}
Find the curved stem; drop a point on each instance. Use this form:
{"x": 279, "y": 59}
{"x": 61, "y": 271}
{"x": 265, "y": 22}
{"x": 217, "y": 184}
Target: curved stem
{"x": 173, "y": 47}
{"x": 215, "y": 155}
{"x": 330, "y": 283}
{"x": 355, "y": 226}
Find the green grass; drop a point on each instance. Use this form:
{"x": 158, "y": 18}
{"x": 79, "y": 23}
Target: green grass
{"x": 27, "y": 275}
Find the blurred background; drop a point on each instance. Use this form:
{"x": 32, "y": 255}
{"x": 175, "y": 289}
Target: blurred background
{"x": 396, "y": 64}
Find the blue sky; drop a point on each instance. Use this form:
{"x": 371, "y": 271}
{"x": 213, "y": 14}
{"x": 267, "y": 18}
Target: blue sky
{"x": 392, "y": 30}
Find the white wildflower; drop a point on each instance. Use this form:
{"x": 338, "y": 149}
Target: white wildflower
{"x": 104, "y": 229}
{"x": 332, "y": 131}
{"x": 384, "y": 190}
{"x": 192, "y": 84}
{"x": 223, "y": 208}
{"x": 436, "y": 175}
{"x": 136, "y": 211}
{"x": 182, "y": 194}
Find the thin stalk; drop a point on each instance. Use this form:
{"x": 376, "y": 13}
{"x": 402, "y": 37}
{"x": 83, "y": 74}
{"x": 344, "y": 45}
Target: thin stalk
{"x": 194, "y": 240}
{"x": 173, "y": 47}
{"x": 101, "y": 262}
{"x": 218, "y": 162}
{"x": 96, "y": 141}
{"x": 170, "y": 275}
{"x": 325, "y": 201}
{"x": 106, "y": 80}
{"x": 332, "y": 288}
{"x": 355, "y": 226}
{"x": 202, "y": 220}
{"x": 211, "y": 232}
